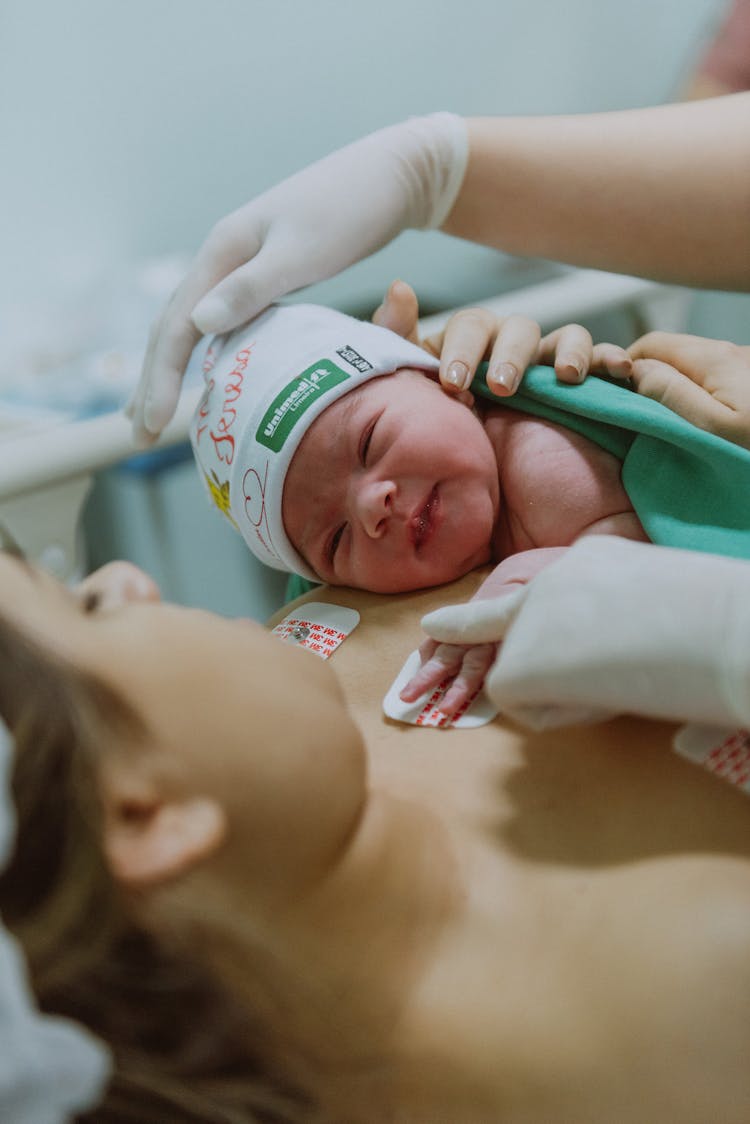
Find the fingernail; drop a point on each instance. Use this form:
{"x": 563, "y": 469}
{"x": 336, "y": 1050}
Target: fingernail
{"x": 505, "y": 375}
{"x": 458, "y": 375}
{"x": 575, "y": 370}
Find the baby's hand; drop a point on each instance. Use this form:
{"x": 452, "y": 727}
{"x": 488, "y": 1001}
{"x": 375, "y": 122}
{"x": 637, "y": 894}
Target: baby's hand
{"x": 469, "y": 663}
{"x": 508, "y": 343}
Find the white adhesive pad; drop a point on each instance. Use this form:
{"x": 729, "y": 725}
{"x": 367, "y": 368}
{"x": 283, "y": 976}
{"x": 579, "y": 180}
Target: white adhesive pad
{"x": 723, "y": 752}
{"x": 426, "y": 710}
{"x": 318, "y": 627}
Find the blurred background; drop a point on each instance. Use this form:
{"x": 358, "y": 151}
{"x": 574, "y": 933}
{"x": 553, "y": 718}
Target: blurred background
{"x": 128, "y": 129}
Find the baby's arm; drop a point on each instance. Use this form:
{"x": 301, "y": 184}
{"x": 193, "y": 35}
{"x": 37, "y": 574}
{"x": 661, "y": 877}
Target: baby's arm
{"x": 469, "y": 663}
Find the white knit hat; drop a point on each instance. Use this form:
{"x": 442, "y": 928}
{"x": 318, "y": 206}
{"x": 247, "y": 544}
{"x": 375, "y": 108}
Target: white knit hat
{"x": 266, "y": 383}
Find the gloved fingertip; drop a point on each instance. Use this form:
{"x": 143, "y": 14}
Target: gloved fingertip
{"x": 142, "y": 438}
{"x": 439, "y": 618}
{"x": 155, "y": 417}
{"x": 212, "y": 315}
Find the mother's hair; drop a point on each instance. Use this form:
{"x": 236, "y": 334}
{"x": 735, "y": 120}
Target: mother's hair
{"x": 182, "y": 1048}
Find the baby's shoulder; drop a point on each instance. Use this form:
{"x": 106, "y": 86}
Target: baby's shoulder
{"x": 554, "y": 482}
{"x": 529, "y": 446}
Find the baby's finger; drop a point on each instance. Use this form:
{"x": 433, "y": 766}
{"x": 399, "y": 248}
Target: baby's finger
{"x": 477, "y": 662}
{"x": 445, "y": 662}
{"x": 427, "y": 649}
{"x": 466, "y": 338}
{"x": 514, "y": 349}
{"x": 568, "y": 350}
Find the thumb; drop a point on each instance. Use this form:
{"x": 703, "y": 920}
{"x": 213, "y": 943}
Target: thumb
{"x": 399, "y": 311}
{"x": 476, "y": 622}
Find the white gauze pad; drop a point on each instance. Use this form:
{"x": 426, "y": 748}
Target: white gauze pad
{"x": 318, "y": 627}
{"x": 719, "y": 750}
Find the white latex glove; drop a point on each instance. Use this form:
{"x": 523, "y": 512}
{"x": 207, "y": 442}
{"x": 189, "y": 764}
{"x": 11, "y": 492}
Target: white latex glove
{"x": 309, "y": 227}
{"x": 616, "y": 627}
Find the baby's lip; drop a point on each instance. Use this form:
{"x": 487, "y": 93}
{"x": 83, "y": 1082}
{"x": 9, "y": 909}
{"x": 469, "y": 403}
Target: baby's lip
{"x": 424, "y": 519}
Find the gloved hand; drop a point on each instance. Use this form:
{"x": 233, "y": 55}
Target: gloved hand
{"x": 307, "y": 228}
{"x": 616, "y": 627}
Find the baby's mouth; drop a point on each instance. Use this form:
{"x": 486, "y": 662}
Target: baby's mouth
{"x": 423, "y": 521}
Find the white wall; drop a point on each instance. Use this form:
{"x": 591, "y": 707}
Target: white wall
{"x": 128, "y": 126}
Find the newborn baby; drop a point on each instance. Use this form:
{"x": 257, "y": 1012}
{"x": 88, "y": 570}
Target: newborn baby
{"x": 336, "y": 473}
{"x": 321, "y": 439}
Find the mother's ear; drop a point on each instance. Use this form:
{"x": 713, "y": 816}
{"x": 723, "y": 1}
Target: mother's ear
{"x": 150, "y": 838}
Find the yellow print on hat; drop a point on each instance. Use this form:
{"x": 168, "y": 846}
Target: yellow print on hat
{"x": 220, "y": 495}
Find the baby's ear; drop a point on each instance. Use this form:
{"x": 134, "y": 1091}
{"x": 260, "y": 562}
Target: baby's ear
{"x": 466, "y": 398}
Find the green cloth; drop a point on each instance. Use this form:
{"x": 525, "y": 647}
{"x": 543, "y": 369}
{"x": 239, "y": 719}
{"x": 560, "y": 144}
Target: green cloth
{"x": 689, "y": 488}
{"x": 297, "y": 585}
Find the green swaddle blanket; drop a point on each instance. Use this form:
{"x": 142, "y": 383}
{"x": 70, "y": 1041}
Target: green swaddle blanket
{"x": 689, "y": 488}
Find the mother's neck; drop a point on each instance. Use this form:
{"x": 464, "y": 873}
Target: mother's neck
{"x": 345, "y": 956}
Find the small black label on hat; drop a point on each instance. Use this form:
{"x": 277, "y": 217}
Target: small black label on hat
{"x": 349, "y": 355}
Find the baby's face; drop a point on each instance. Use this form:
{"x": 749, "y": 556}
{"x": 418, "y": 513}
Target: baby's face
{"x": 394, "y": 487}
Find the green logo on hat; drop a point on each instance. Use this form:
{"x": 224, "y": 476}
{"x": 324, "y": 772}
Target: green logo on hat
{"x": 297, "y": 396}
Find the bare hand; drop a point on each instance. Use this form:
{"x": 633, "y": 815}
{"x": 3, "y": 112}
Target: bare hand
{"x": 467, "y": 664}
{"x": 509, "y": 344}
{"x": 706, "y": 381}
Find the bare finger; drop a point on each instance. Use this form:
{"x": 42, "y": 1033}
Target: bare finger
{"x": 445, "y": 662}
{"x": 568, "y": 350}
{"x": 399, "y": 311}
{"x": 476, "y": 663}
{"x": 696, "y": 357}
{"x": 675, "y": 390}
{"x": 514, "y": 349}
{"x": 609, "y": 359}
{"x": 467, "y": 336}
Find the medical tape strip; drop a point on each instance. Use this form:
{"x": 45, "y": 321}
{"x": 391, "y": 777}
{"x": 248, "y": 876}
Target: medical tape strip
{"x": 719, "y": 750}
{"x": 477, "y": 711}
{"x": 318, "y": 627}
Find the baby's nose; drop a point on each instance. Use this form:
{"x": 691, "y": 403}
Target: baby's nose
{"x": 374, "y": 503}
